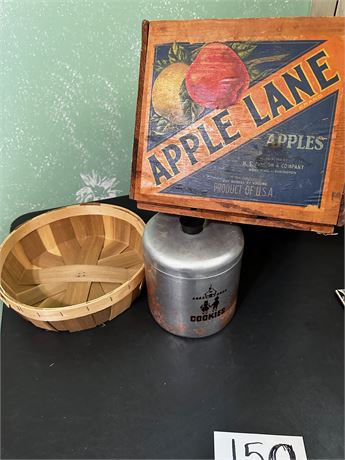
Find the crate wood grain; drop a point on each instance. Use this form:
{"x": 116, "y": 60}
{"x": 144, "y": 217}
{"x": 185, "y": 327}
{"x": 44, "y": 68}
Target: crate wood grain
{"x": 242, "y": 120}
{"x": 73, "y": 268}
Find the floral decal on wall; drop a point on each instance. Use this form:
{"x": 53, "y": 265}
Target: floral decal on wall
{"x": 97, "y": 187}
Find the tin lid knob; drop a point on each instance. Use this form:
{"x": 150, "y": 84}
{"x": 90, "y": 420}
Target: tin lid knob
{"x": 192, "y": 225}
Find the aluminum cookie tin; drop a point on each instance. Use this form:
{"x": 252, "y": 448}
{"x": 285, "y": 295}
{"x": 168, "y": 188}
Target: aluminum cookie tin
{"x": 192, "y": 273}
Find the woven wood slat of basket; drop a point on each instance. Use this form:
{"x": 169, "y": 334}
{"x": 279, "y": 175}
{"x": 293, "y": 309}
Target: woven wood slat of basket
{"x": 73, "y": 268}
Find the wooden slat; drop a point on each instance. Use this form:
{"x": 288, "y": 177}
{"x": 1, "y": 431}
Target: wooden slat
{"x": 143, "y": 56}
{"x": 96, "y": 291}
{"x": 238, "y": 218}
{"x": 91, "y": 249}
{"x": 76, "y": 293}
{"x": 66, "y": 240}
{"x": 89, "y": 253}
{"x": 95, "y": 225}
{"x": 14, "y": 267}
{"x": 102, "y": 316}
{"x": 135, "y": 240}
{"x": 19, "y": 254}
{"x": 75, "y": 273}
{"x": 59, "y": 325}
{"x": 133, "y": 270}
{"x": 80, "y": 324}
{"x": 12, "y": 286}
{"x": 121, "y": 230}
{"x": 41, "y": 324}
{"x": 48, "y": 239}
{"x": 33, "y": 245}
{"x": 79, "y": 224}
{"x": 63, "y": 230}
{"x": 9, "y": 288}
{"x": 120, "y": 306}
{"x": 47, "y": 259}
{"x": 125, "y": 259}
{"x": 112, "y": 249}
{"x": 87, "y": 226}
{"x": 34, "y": 294}
{"x": 108, "y": 287}
{"x": 54, "y": 301}
{"x": 69, "y": 250}
{"x": 109, "y": 229}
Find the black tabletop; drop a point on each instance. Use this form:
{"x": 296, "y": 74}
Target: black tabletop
{"x": 131, "y": 390}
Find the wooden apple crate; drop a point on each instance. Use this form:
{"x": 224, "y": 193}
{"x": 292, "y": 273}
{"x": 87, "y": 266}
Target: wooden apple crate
{"x": 242, "y": 120}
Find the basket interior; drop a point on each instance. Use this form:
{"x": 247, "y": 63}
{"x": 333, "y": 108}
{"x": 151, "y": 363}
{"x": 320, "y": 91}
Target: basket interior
{"x": 72, "y": 260}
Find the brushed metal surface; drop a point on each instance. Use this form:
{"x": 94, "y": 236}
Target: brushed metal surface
{"x": 192, "y": 280}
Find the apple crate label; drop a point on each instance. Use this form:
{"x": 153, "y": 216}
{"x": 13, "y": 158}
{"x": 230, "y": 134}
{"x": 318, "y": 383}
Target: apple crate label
{"x": 240, "y": 446}
{"x": 248, "y": 121}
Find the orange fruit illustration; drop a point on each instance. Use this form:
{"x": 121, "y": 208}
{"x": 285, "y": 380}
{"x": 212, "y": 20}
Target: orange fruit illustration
{"x": 166, "y": 99}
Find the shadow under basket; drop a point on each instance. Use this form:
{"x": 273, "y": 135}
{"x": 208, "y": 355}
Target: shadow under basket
{"x": 73, "y": 268}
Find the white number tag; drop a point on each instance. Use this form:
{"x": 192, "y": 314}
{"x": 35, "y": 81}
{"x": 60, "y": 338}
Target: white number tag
{"x": 247, "y": 446}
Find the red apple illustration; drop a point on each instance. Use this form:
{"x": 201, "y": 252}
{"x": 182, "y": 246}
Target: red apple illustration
{"x": 217, "y": 77}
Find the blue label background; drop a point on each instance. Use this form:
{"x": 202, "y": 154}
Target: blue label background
{"x": 302, "y": 188}
{"x": 266, "y": 52}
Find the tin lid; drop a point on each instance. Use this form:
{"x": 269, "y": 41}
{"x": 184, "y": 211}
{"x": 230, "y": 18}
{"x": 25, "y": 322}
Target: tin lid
{"x": 175, "y": 251}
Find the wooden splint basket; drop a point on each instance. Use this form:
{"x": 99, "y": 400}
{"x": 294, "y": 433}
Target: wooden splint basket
{"x": 73, "y": 268}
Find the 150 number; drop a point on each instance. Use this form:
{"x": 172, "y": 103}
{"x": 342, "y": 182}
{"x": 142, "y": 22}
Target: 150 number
{"x": 248, "y": 451}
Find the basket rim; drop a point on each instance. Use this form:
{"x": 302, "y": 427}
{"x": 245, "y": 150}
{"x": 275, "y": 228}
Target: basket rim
{"x": 84, "y": 308}
{"x": 78, "y": 310}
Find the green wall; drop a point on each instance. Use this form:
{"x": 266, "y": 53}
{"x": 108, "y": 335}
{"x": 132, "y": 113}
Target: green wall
{"x": 69, "y": 74}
